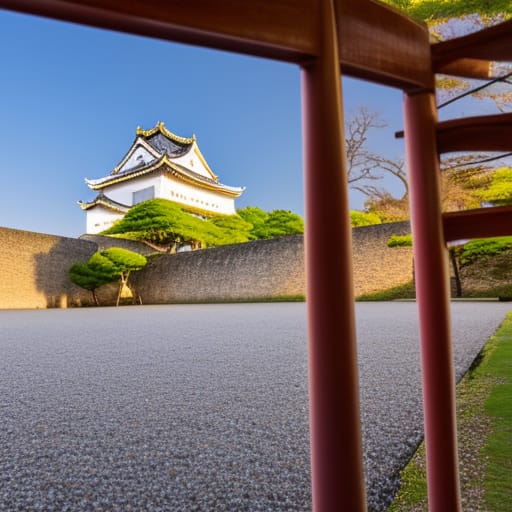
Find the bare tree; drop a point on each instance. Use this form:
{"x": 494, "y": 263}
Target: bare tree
{"x": 364, "y": 167}
{"x": 462, "y": 175}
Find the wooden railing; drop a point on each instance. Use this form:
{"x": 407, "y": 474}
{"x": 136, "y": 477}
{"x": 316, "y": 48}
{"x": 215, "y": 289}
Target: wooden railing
{"x": 372, "y": 41}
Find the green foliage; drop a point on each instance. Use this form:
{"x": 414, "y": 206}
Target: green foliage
{"x": 109, "y": 266}
{"x": 234, "y": 229}
{"x": 388, "y": 208}
{"x": 93, "y": 274}
{"x": 429, "y": 10}
{"x": 484, "y": 396}
{"x": 273, "y": 224}
{"x": 122, "y": 260}
{"x": 479, "y": 248}
{"x": 413, "y": 485}
{"x": 98, "y": 271}
{"x": 165, "y": 223}
{"x": 283, "y": 222}
{"x": 400, "y": 241}
{"x": 498, "y": 449}
{"x": 161, "y": 222}
{"x": 499, "y": 190}
{"x": 255, "y": 216}
{"x": 359, "y": 219}
{"x": 258, "y": 218}
{"x": 402, "y": 291}
{"x": 449, "y": 83}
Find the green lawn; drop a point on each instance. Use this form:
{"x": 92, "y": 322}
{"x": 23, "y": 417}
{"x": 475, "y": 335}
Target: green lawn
{"x": 484, "y": 417}
{"x": 498, "y": 449}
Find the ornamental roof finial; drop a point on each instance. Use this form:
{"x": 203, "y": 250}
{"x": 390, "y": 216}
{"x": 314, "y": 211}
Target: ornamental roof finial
{"x": 160, "y": 127}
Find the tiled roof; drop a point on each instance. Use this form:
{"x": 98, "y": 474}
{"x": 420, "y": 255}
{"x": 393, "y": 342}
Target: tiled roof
{"x": 105, "y": 201}
{"x": 165, "y": 145}
{"x": 165, "y": 165}
{"x": 160, "y": 128}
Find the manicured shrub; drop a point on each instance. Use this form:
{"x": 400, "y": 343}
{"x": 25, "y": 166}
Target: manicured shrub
{"x": 359, "y": 219}
{"x": 479, "y": 248}
{"x": 400, "y": 241}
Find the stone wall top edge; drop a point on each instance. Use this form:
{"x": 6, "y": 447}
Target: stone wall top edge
{"x": 31, "y": 234}
{"x": 403, "y": 224}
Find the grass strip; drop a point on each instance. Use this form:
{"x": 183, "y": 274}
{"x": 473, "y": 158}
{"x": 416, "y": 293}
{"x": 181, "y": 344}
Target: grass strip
{"x": 498, "y": 449}
{"x": 403, "y": 291}
{"x": 484, "y": 420}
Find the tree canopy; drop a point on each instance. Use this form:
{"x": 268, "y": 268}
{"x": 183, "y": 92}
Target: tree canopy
{"x": 499, "y": 190}
{"x": 165, "y": 225}
{"x": 96, "y": 272}
{"x": 359, "y": 219}
{"x": 234, "y": 229}
{"x": 161, "y": 222}
{"x": 124, "y": 262}
{"x": 271, "y": 225}
{"x": 447, "y": 19}
{"x": 435, "y": 10}
{"x": 108, "y": 266}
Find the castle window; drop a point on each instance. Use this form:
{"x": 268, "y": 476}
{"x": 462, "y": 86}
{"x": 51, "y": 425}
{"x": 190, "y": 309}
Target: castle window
{"x": 143, "y": 195}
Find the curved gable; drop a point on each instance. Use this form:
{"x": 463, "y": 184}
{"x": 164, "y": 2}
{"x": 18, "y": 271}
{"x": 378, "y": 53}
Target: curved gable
{"x": 141, "y": 153}
{"x": 194, "y": 161}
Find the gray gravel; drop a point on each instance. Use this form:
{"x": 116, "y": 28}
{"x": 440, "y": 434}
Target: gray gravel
{"x": 196, "y": 408}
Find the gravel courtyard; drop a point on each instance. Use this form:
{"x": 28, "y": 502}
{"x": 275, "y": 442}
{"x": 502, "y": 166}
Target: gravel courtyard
{"x": 197, "y": 408}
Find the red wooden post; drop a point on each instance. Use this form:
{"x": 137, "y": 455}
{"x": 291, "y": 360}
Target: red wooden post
{"x": 336, "y": 454}
{"x": 432, "y": 292}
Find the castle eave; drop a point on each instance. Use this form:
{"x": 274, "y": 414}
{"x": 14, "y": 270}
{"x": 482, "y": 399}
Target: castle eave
{"x": 169, "y": 167}
{"x": 106, "y": 202}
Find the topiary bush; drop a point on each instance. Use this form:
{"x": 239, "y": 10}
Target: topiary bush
{"x": 479, "y": 248}
{"x": 400, "y": 241}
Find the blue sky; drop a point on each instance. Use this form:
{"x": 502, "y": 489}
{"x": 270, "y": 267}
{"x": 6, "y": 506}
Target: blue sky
{"x": 72, "y": 97}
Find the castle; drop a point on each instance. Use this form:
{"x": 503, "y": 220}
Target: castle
{"x": 158, "y": 164}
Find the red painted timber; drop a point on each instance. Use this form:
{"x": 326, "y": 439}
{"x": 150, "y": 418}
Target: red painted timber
{"x": 336, "y": 453}
{"x": 432, "y": 295}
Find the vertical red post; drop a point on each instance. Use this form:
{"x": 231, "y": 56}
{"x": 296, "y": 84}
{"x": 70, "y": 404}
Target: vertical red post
{"x": 432, "y": 292}
{"x": 336, "y": 454}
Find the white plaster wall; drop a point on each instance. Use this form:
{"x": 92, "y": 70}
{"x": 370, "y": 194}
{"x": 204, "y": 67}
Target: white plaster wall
{"x": 100, "y": 218}
{"x": 123, "y": 192}
{"x": 188, "y": 195}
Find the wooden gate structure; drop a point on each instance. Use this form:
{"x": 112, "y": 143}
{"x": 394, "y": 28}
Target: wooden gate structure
{"x": 368, "y": 40}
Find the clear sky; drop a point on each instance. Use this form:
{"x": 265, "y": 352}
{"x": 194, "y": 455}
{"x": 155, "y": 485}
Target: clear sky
{"x": 72, "y": 97}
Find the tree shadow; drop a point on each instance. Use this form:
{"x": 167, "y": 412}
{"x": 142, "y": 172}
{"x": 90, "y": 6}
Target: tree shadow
{"x": 51, "y": 269}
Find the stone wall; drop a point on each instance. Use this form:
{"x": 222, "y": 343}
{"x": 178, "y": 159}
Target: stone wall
{"x": 490, "y": 273}
{"x": 33, "y": 273}
{"x": 254, "y": 270}
{"x": 377, "y": 266}
{"x": 269, "y": 268}
{"x": 35, "y": 268}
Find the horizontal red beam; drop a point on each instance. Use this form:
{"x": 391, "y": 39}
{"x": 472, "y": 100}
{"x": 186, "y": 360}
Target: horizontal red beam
{"x": 483, "y": 133}
{"x": 375, "y": 42}
{"x": 491, "y": 44}
{"x": 480, "y": 223}
{"x": 280, "y": 29}
{"x": 467, "y": 68}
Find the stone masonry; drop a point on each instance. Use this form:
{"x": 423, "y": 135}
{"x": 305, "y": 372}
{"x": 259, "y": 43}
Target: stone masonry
{"x": 35, "y": 268}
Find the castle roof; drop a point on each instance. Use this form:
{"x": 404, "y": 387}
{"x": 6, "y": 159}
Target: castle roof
{"x": 102, "y": 200}
{"x": 165, "y": 165}
{"x": 160, "y": 150}
{"x": 160, "y": 129}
